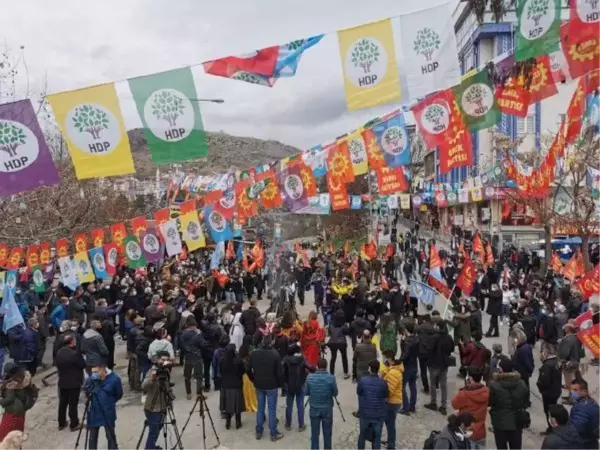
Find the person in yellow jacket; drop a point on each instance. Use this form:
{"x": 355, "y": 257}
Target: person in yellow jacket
{"x": 392, "y": 373}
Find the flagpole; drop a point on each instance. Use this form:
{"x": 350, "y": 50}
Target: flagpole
{"x": 449, "y": 301}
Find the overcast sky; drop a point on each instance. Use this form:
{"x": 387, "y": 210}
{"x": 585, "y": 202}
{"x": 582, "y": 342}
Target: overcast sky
{"x": 75, "y": 43}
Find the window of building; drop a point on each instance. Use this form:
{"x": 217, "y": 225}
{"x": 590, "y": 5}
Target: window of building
{"x": 429, "y": 162}
{"x": 526, "y": 125}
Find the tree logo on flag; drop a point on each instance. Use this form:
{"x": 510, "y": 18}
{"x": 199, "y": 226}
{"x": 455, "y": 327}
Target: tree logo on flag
{"x": 99, "y": 263}
{"x": 451, "y": 197}
{"x": 217, "y": 221}
{"x": 366, "y": 62}
{"x": 588, "y": 10}
{"x": 18, "y": 146}
{"x": 247, "y": 77}
{"x": 477, "y": 99}
{"x": 84, "y": 267}
{"x": 93, "y": 128}
{"x": 536, "y": 18}
{"x": 193, "y": 230}
{"x": 11, "y": 280}
{"x": 38, "y": 277}
{"x": 134, "y": 252}
{"x": 169, "y": 115}
{"x": 293, "y": 187}
{"x": 150, "y": 243}
{"x": 357, "y": 151}
{"x": 435, "y": 118}
{"x": 112, "y": 257}
{"x": 426, "y": 42}
{"x": 393, "y": 140}
{"x": 228, "y": 200}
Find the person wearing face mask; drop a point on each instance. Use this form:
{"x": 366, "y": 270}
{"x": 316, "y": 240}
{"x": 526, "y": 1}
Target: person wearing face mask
{"x": 474, "y": 399}
{"x": 585, "y": 413}
{"x": 494, "y": 309}
{"x": 59, "y": 313}
{"x": 549, "y": 381}
{"x": 456, "y": 434}
{"x": 563, "y": 435}
{"x": 569, "y": 354}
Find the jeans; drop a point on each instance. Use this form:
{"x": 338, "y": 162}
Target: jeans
{"x": 192, "y": 365}
{"x": 68, "y": 398}
{"x": 364, "y": 425}
{"x": 438, "y": 375}
{"x": 229, "y": 297}
{"x": 390, "y": 423}
{"x": 321, "y": 418}
{"x": 289, "y": 406}
{"x": 477, "y": 445}
{"x": 267, "y": 397}
{"x": 423, "y": 370}
{"x": 410, "y": 379}
{"x": 111, "y": 438}
{"x": 144, "y": 367}
{"x": 155, "y": 420}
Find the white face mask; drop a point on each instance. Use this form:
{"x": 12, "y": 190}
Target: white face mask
{"x": 468, "y": 434}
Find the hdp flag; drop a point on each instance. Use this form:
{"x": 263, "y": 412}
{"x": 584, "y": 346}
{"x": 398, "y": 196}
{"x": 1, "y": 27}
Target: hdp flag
{"x": 37, "y": 275}
{"x": 358, "y": 152}
{"x": 192, "y": 231}
{"x": 422, "y": 292}
{"x": 172, "y": 238}
{"x": 68, "y": 273}
{"x": 292, "y": 186}
{"x": 151, "y": 245}
{"x": 135, "y": 256}
{"x": 98, "y": 263}
{"x": 83, "y": 268}
{"x": 90, "y": 120}
{"x": 219, "y": 227}
{"x": 538, "y": 29}
{"x": 167, "y": 105}
{"x": 10, "y": 310}
{"x": 25, "y": 159}
{"x": 11, "y": 280}
{"x": 356, "y": 202}
{"x": 217, "y": 255}
{"x": 392, "y": 138}
{"x": 477, "y": 102}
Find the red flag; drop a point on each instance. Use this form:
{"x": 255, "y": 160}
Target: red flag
{"x": 391, "y": 180}
{"x": 261, "y": 62}
{"x": 575, "y": 268}
{"x": 384, "y": 284}
{"x": 339, "y": 163}
{"x": 390, "y": 250}
{"x": 14, "y": 260}
{"x": 589, "y": 284}
{"x": 434, "y": 258}
{"x": 584, "y": 18}
{"x": 80, "y": 240}
{"x": 580, "y": 49}
{"x": 589, "y": 333}
{"x": 308, "y": 180}
{"x": 140, "y": 224}
{"x": 221, "y": 278}
{"x": 542, "y": 82}
{"x": 45, "y": 250}
{"x": 3, "y": 254}
{"x": 212, "y": 197}
{"x": 374, "y": 153}
{"x": 457, "y": 149}
{"x": 490, "y": 255}
{"x": 62, "y": 247}
{"x": 118, "y": 232}
{"x": 466, "y": 279}
{"x": 433, "y": 116}
{"x": 258, "y": 253}
{"x": 270, "y": 196}
{"x": 478, "y": 247}
{"x": 246, "y": 207}
{"x": 371, "y": 250}
{"x": 187, "y": 206}
{"x": 575, "y": 112}
{"x": 111, "y": 260}
{"x": 33, "y": 258}
{"x": 97, "y": 237}
{"x": 330, "y": 248}
{"x": 462, "y": 251}
{"x": 338, "y": 193}
{"x": 229, "y": 252}
{"x": 513, "y": 98}
{"x": 556, "y": 263}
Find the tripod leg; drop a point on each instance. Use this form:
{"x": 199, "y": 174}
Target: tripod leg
{"x": 212, "y": 423}
{"x": 139, "y": 442}
{"x": 85, "y": 412}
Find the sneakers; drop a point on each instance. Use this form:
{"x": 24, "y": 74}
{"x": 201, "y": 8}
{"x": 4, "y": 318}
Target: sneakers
{"x": 404, "y": 413}
{"x": 287, "y": 427}
{"x": 355, "y": 414}
{"x": 301, "y": 428}
{"x": 443, "y": 410}
{"x": 188, "y": 396}
{"x": 431, "y": 406}
{"x": 276, "y": 437}
{"x": 346, "y": 376}
{"x": 61, "y": 427}
{"x": 258, "y": 436}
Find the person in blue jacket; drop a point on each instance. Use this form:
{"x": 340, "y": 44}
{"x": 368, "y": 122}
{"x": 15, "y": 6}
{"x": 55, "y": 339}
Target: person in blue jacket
{"x": 59, "y": 313}
{"x": 29, "y": 347}
{"x": 104, "y": 389}
{"x": 372, "y": 397}
{"x": 585, "y": 413}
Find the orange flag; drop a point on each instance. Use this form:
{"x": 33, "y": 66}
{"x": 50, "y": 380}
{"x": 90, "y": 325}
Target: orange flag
{"x": 330, "y": 248}
{"x": 371, "y": 250}
{"x": 45, "y": 252}
{"x": 390, "y": 250}
{"x": 33, "y": 258}
{"x": 80, "y": 242}
{"x": 556, "y": 263}
{"x": 490, "y": 255}
{"x": 308, "y": 180}
{"x": 478, "y": 247}
{"x": 140, "y": 224}
{"x": 3, "y": 254}
{"x": 466, "y": 280}
{"x": 229, "y": 253}
{"x": 384, "y": 283}
{"x": 589, "y": 284}
{"x": 461, "y": 250}
{"x": 97, "y": 237}
{"x": 339, "y": 163}
{"x": 575, "y": 268}
{"x": 14, "y": 260}
{"x": 62, "y": 247}
{"x": 118, "y": 232}
{"x": 245, "y": 261}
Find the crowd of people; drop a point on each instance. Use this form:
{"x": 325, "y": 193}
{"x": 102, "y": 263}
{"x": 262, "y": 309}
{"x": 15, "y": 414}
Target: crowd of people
{"x": 207, "y": 320}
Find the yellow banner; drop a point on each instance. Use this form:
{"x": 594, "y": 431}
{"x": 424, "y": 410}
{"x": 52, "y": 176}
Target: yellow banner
{"x": 404, "y": 201}
{"x": 358, "y": 152}
{"x": 91, "y": 122}
{"x": 192, "y": 231}
{"x": 369, "y": 65}
{"x": 83, "y": 268}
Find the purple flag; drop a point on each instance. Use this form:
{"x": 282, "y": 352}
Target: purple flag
{"x": 292, "y": 188}
{"x": 25, "y": 161}
{"x": 152, "y": 247}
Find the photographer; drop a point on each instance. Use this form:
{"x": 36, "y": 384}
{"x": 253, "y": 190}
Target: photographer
{"x": 155, "y": 406}
{"x": 104, "y": 390}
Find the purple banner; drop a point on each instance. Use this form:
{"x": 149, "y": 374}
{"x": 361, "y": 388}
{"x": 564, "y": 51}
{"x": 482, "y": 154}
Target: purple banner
{"x": 152, "y": 247}
{"x": 25, "y": 161}
{"x": 292, "y": 188}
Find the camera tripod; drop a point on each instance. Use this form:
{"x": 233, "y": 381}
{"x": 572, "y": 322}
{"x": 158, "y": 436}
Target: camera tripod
{"x": 168, "y": 416}
{"x": 88, "y": 404}
{"x": 201, "y": 400}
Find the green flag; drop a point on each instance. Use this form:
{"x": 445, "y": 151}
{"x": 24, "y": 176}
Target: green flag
{"x": 538, "y": 31}
{"x": 133, "y": 252}
{"x": 169, "y": 110}
{"x": 477, "y": 102}
{"x": 38, "y": 279}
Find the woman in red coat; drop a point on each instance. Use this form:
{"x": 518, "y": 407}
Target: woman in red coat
{"x": 312, "y": 338}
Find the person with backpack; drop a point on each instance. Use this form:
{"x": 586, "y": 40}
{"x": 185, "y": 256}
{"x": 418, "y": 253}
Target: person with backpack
{"x": 295, "y": 369}
{"x": 455, "y": 435}
{"x": 17, "y": 395}
{"x": 564, "y": 435}
{"x": 337, "y": 331}
{"x": 474, "y": 354}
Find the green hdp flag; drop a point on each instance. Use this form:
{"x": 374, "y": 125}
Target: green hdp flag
{"x": 477, "y": 102}
{"x": 169, "y": 110}
{"x": 133, "y": 252}
{"x": 538, "y": 31}
{"x": 39, "y": 284}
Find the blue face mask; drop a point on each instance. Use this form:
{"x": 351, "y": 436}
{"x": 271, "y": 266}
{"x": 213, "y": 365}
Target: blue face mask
{"x": 574, "y": 395}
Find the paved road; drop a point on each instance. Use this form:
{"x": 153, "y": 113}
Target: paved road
{"x": 41, "y": 421}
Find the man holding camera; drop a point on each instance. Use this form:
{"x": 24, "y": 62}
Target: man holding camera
{"x": 104, "y": 390}
{"x": 157, "y": 398}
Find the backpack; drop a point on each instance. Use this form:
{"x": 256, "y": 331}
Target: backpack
{"x": 429, "y": 443}
{"x": 31, "y": 395}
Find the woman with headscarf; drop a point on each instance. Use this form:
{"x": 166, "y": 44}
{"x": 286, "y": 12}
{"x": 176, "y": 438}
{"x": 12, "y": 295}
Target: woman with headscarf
{"x": 15, "y": 398}
{"x": 236, "y": 333}
{"x": 312, "y": 338}
{"x": 232, "y": 393}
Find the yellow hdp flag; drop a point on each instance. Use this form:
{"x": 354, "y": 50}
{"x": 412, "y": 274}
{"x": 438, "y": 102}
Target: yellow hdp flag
{"x": 469, "y": 74}
{"x": 192, "y": 231}
{"x": 91, "y": 122}
{"x": 369, "y": 65}
{"x": 358, "y": 152}
{"x": 83, "y": 268}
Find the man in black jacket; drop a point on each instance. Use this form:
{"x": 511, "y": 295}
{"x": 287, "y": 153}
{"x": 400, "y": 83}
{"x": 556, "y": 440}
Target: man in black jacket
{"x": 212, "y": 332}
{"x": 523, "y": 359}
{"x": 249, "y": 317}
{"x": 70, "y": 365}
{"x": 563, "y": 435}
{"x": 295, "y": 369}
{"x": 193, "y": 343}
{"x": 549, "y": 381}
{"x": 409, "y": 358}
{"x": 438, "y": 363}
{"x": 265, "y": 371}
{"x": 427, "y": 335}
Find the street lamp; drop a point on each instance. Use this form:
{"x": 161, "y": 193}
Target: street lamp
{"x": 209, "y": 100}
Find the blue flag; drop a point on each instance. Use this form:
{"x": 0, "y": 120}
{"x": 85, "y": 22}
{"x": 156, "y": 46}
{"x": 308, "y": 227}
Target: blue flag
{"x": 217, "y": 255}
{"x": 356, "y": 202}
{"x": 10, "y": 310}
{"x": 98, "y": 263}
{"x": 217, "y": 223}
{"x": 422, "y": 292}
{"x": 290, "y": 53}
{"x": 11, "y": 281}
{"x": 393, "y": 140}
{"x": 239, "y": 253}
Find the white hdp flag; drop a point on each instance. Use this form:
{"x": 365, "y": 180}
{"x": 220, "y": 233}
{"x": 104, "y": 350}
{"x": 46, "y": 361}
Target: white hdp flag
{"x": 68, "y": 272}
{"x": 429, "y": 50}
{"x": 172, "y": 238}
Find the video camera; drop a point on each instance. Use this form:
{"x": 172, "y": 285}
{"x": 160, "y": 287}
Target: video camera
{"x": 163, "y": 371}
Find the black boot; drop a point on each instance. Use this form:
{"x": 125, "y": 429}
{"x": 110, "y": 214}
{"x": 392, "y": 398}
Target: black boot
{"x": 228, "y": 421}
